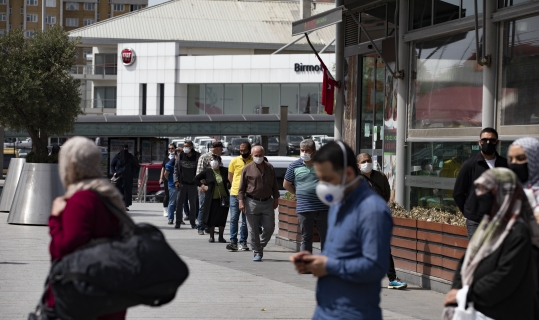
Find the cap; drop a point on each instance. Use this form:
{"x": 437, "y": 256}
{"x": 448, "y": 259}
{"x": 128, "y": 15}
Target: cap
{"x": 217, "y": 144}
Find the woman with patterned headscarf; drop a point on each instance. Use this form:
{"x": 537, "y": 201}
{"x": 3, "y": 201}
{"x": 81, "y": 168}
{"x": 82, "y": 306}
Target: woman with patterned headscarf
{"x": 523, "y": 157}
{"x": 496, "y": 277}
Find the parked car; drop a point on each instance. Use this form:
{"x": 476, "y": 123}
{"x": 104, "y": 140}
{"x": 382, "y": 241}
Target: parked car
{"x": 226, "y": 141}
{"x": 273, "y": 146}
{"x": 154, "y": 173}
{"x": 27, "y": 143}
{"x": 204, "y": 145}
{"x": 24, "y": 152}
{"x": 320, "y": 140}
{"x": 9, "y": 153}
{"x": 196, "y": 141}
{"x": 293, "y": 144}
{"x": 234, "y": 146}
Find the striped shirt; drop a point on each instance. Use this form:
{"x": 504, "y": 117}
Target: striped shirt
{"x": 305, "y": 181}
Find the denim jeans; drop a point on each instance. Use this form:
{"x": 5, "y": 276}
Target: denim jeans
{"x": 173, "y": 200}
{"x": 234, "y": 219}
{"x": 201, "y": 198}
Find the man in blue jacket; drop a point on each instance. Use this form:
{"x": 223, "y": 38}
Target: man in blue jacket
{"x": 355, "y": 257}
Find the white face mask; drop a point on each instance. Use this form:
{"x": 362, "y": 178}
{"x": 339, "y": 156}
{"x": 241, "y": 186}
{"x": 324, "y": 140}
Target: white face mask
{"x": 186, "y": 149}
{"x": 258, "y": 160}
{"x": 171, "y": 156}
{"x": 305, "y": 156}
{"x": 366, "y": 167}
{"x": 214, "y": 164}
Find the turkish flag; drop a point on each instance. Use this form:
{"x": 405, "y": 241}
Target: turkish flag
{"x": 328, "y": 90}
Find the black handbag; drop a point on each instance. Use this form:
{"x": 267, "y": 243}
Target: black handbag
{"x": 223, "y": 200}
{"x": 112, "y": 274}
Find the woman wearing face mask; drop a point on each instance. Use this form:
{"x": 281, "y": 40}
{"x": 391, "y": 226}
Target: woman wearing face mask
{"x": 497, "y": 271}
{"x": 215, "y": 212}
{"x": 523, "y": 157}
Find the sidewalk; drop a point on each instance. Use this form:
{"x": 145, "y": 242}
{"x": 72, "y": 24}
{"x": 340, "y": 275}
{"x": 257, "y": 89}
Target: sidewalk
{"x": 222, "y": 284}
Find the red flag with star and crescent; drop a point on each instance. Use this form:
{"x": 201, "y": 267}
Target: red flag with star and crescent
{"x": 328, "y": 89}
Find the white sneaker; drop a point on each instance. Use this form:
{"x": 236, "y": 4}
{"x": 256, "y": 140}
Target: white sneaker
{"x": 165, "y": 212}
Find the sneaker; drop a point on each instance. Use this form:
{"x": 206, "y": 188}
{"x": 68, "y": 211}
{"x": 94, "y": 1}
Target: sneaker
{"x": 200, "y": 232}
{"x": 177, "y": 226}
{"x": 211, "y": 240}
{"x": 232, "y": 247}
{"x": 170, "y": 221}
{"x": 165, "y": 212}
{"x": 243, "y": 246}
{"x": 257, "y": 257}
{"x": 193, "y": 226}
{"x": 397, "y": 284}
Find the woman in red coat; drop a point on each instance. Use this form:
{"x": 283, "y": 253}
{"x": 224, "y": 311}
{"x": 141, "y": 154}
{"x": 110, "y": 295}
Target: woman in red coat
{"x": 80, "y": 216}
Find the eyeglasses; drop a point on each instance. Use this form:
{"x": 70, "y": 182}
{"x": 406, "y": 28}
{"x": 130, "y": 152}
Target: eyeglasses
{"x": 491, "y": 141}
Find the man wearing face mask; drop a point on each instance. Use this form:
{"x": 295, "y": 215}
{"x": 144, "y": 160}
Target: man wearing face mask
{"x": 301, "y": 180}
{"x": 184, "y": 175}
{"x": 355, "y": 255}
{"x": 377, "y": 181}
{"x": 463, "y": 192}
{"x": 258, "y": 197}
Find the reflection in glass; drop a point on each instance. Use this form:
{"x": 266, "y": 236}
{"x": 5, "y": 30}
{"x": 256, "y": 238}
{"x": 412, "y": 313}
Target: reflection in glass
{"x": 438, "y": 160}
{"x": 270, "y": 97}
{"x": 251, "y": 99}
{"x": 308, "y": 100}
{"x": 104, "y": 97}
{"x": 448, "y": 89}
{"x": 214, "y": 99}
{"x": 195, "y": 98}
{"x": 349, "y": 120}
{"x": 421, "y": 10}
{"x": 520, "y": 79}
{"x": 289, "y": 97}
{"x": 508, "y": 3}
{"x": 446, "y": 10}
{"x": 373, "y": 21}
{"x": 468, "y": 9}
{"x": 232, "y": 101}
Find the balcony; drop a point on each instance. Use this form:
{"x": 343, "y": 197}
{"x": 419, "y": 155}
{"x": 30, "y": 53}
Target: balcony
{"x": 99, "y": 106}
{"x": 94, "y": 72}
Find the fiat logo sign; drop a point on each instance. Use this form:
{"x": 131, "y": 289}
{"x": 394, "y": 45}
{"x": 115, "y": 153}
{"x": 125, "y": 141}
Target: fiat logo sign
{"x": 128, "y": 56}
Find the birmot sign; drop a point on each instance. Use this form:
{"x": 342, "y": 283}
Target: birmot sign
{"x": 300, "y": 67}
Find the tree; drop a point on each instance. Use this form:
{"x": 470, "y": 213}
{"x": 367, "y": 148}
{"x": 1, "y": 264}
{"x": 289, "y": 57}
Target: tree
{"x": 37, "y": 92}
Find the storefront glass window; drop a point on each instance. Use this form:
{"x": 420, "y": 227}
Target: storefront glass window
{"x": 468, "y": 9}
{"x": 214, "y": 99}
{"x": 446, "y": 10}
{"x": 308, "y": 99}
{"x": 448, "y": 88}
{"x": 434, "y": 167}
{"x": 520, "y": 73}
{"x": 374, "y": 21}
{"x": 232, "y": 101}
{"x": 422, "y": 11}
{"x": 508, "y": 3}
{"x": 251, "y": 98}
{"x": 270, "y": 97}
{"x": 289, "y": 97}
{"x": 104, "y": 97}
{"x": 195, "y": 98}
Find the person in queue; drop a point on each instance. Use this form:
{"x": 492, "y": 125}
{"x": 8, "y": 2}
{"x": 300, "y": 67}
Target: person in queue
{"x": 80, "y": 216}
{"x": 173, "y": 192}
{"x": 355, "y": 255}
{"x": 214, "y": 183}
{"x": 204, "y": 162}
{"x": 162, "y": 180}
{"x": 301, "y": 180}
{"x": 184, "y": 175}
{"x": 235, "y": 168}
{"x": 179, "y": 149}
{"x": 125, "y": 166}
{"x": 377, "y": 181}
{"x": 497, "y": 271}
{"x": 523, "y": 157}
{"x": 258, "y": 197}
{"x": 463, "y": 192}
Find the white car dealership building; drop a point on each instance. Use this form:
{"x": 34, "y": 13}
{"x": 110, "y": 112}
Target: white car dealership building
{"x": 162, "y": 61}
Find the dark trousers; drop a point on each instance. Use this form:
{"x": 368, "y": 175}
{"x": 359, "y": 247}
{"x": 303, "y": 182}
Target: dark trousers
{"x": 187, "y": 192}
{"x": 186, "y": 206}
{"x": 391, "y": 273}
{"x": 307, "y": 220}
{"x": 166, "y": 199}
{"x": 471, "y": 226}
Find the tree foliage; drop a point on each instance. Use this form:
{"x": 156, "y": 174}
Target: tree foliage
{"x": 37, "y": 92}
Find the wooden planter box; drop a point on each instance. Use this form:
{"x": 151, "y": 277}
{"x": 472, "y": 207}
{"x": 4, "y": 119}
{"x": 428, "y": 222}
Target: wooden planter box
{"x": 289, "y": 229}
{"x": 428, "y": 248}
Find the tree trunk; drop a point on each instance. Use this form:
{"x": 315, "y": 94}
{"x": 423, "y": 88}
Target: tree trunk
{"x": 39, "y": 143}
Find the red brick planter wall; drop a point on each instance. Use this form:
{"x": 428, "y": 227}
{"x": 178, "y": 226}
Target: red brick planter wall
{"x": 289, "y": 224}
{"x": 428, "y": 248}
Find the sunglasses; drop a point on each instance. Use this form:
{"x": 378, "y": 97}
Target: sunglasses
{"x": 171, "y": 148}
{"x": 491, "y": 141}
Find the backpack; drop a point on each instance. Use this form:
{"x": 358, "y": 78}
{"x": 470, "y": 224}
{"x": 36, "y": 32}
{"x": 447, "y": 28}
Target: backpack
{"x": 112, "y": 274}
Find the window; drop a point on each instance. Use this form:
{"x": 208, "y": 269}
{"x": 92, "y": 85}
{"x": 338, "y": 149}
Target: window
{"x": 22, "y": 11}
{"x": 104, "y": 97}
{"x": 72, "y": 6}
{"x": 289, "y": 97}
{"x": 106, "y": 63}
{"x": 88, "y": 21}
{"x": 2, "y": 17}
{"x": 270, "y": 98}
{"x": 31, "y": 2}
{"x": 195, "y": 98}
{"x": 119, "y": 7}
{"x": 108, "y": 15}
{"x": 425, "y": 13}
{"x": 50, "y": 19}
{"x": 72, "y": 22}
{"x": 448, "y": 89}
{"x": 506, "y": 3}
{"x": 29, "y": 34}
{"x": 134, "y": 7}
{"x": 2, "y": 32}
{"x": 143, "y": 91}
{"x": 2, "y": 1}
{"x": 87, "y": 55}
{"x": 520, "y": 86}
{"x": 89, "y": 6}
{"x": 10, "y": 10}
{"x": 232, "y": 102}
{"x": 308, "y": 98}
{"x": 161, "y": 99}
{"x": 51, "y": 3}
{"x": 214, "y": 99}
{"x": 251, "y": 99}
{"x": 31, "y": 18}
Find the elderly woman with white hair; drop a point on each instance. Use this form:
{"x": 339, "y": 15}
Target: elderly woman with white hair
{"x": 80, "y": 215}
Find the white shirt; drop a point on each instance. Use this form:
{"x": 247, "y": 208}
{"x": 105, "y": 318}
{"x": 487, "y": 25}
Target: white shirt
{"x": 491, "y": 162}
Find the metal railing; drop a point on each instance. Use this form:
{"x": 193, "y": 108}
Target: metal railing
{"x": 99, "y": 105}
{"x": 95, "y": 70}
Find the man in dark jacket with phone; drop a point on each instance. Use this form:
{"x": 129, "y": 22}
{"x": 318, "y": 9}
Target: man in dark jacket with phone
{"x": 472, "y": 169}
{"x": 184, "y": 175}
